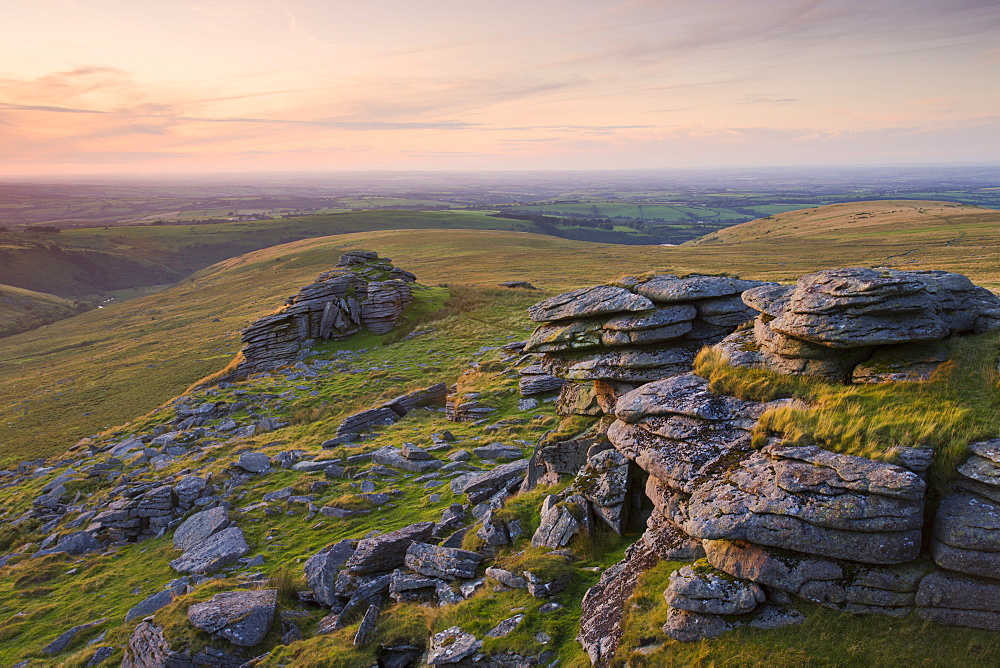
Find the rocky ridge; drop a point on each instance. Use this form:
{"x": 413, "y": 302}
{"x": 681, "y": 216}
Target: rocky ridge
{"x": 771, "y": 520}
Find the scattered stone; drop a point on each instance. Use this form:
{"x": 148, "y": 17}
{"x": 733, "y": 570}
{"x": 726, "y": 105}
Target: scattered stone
{"x": 254, "y": 462}
{"x": 451, "y": 646}
{"x": 506, "y": 627}
{"x": 196, "y": 529}
{"x": 64, "y": 640}
{"x": 242, "y": 617}
{"x": 322, "y": 568}
{"x": 219, "y": 550}
{"x": 387, "y": 551}
{"x": 441, "y": 562}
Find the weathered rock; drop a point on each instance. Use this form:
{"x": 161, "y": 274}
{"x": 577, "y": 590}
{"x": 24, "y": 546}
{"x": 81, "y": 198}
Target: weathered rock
{"x": 685, "y": 394}
{"x": 852, "y": 307}
{"x": 507, "y": 578}
{"x": 967, "y": 535}
{"x": 810, "y": 500}
{"x": 588, "y": 302}
{"x": 632, "y": 365}
{"x": 500, "y": 451}
{"x": 558, "y": 524}
{"x": 769, "y": 298}
{"x": 686, "y": 626}
{"x": 538, "y": 384}
{"x": 451, "y": 646}
{"x": 196, "y": 529}
{"x": 957, "y": 599}
{"x": 481, "y": 486}
{"x": 701, "y": 588}
{"x": 146, "y": 647}
{"x": 365, "y": 420}
{"x": 387, "y": 551}
{"x": 77, "y": 542}
{"x": 442, "y": 562}
{"x": 64, "y": 640}
{"x": 670, "y": 289}
{"x": 218, "y": 550}
{"x": 661, "y": 317}
{"x": 575, "y": 335}
{"x": 337, "y": 305}
{"x": 154, "y": 602}
{"x": 322, "y": 568}
{"x": 506, "y": 627}
{"x": 392, "y": 456}
{"x": 242, "y": 617}
{"x": 254, "y": 462}
{"x": 604, "y": 482}
{"x": 367, "y": 626}
{"x": 841, "y": 585}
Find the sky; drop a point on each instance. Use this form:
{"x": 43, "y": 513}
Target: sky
{"x": 175, "y": 86}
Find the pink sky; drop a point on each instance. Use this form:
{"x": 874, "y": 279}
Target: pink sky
{"x": 126, "y": 86}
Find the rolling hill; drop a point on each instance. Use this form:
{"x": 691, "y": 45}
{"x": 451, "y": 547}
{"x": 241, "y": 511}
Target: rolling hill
{"x": 104, "y": 367}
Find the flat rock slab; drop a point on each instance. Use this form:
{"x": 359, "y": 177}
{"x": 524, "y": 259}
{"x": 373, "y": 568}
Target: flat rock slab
{"x": 392, "y": 456}
{"x": 481, "y": 486}
{"x": 387, "y": 551}
{"x": 196, "y": 529}
{"x": 219, "y": 550}
{"x": 685, "y": 394}
{"x": 254, "y": 462}
{"x": 840, "y": 585}
{"x": 451, "y": 646}
{"x": 704, "y": 589}
{"x": 669, "y": 289}
{"x": 588, "y": 302}
{"x": 810, "y": 500}
{"x": 64, "y": 640}
{"x": 442, "y": 562}
{"x": 154, "y": 602}
{"x": 242, "y": 617}
{"x": 967, "y": 535}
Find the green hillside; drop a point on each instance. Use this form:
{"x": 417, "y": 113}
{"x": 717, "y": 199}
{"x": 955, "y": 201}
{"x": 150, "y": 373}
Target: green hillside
{"x": 102, "y": 368}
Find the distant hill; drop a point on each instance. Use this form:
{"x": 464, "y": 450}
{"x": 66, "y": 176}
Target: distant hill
{"x": 890, "y": 220}
{"x": 22, "y": 310}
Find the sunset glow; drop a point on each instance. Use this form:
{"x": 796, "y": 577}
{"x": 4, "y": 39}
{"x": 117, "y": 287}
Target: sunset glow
{"x": 120, "y": 86}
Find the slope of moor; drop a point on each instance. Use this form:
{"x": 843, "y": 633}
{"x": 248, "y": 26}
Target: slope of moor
{"x": 101, "y": 368}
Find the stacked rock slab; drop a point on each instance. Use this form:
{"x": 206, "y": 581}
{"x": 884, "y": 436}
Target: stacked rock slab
{"x": 606, "y": 340}
{"x": 363, "y": 291}
{"x": 966, "y": 546}
{"x": 777, "y": 520}
{"x": 832, "y": 322}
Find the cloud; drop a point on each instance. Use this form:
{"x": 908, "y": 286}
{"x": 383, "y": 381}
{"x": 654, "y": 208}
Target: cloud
{"x": 767, "y": 99}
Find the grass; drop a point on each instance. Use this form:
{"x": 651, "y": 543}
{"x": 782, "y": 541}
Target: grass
{"x": 957, "y": 406}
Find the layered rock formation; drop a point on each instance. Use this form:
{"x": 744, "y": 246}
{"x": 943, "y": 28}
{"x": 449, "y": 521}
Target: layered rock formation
{"x": 601, "y": 342}
{"x": 364, "y": 291}
{"x": 773, "y": 520}
{"x": 860, "y": 323}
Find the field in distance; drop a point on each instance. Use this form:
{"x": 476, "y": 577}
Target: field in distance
{"x": 99, "y": 369}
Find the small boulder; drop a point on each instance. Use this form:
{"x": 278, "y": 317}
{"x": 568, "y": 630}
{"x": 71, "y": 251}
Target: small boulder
{"x": 196, "y": 529}
{"x": 254, "y": 462}
{"x": 442, "y": 562}
{"x": 219, "y": 550}
{"x": 242, "y": 617}
{"x": 387, "y": 551}
{"x": 451, "y": 646}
